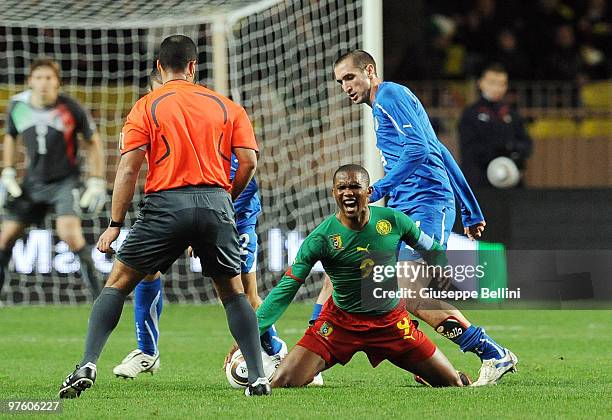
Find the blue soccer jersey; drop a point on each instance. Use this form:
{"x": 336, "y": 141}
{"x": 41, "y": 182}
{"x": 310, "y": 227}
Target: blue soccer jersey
{"x": 247, "y": 205}
{"x": 420, "y": 172}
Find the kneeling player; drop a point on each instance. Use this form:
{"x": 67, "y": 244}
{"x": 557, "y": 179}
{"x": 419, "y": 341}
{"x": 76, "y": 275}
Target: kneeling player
{"x": 148, "y": 297}
{"x": 350, "y": 244}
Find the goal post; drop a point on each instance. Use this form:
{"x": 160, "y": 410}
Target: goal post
{"x": 274, "y": 57}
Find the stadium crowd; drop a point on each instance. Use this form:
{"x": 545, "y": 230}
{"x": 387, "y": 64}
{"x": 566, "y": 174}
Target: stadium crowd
{"x": 543, "y": 40}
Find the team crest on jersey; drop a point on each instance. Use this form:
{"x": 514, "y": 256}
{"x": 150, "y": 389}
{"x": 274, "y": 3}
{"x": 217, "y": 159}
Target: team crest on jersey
{"x": 326, "y": 329}
{"x": 336, "y": 241}
{"x": 383, "y": 227}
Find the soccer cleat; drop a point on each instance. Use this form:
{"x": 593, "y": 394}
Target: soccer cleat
{"x": 492, "y": 370}
{"x": 465, "y": 379}
{"x": 317, "y": 381}
{"x": 137, "y": 362}
{"x": 260, "y": 387}
{"x": 78, "y": 381}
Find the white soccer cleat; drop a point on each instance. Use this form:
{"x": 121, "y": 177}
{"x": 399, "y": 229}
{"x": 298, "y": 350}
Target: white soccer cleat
{"x": 492, "y": 370}
{"x": 137, "y": 362}
{"x": 317, "y": 381}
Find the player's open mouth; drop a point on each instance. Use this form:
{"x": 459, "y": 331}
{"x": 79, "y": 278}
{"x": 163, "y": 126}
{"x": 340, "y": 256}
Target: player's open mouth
{"x": 353, "y": 97}
{"x": 350, "y": 204}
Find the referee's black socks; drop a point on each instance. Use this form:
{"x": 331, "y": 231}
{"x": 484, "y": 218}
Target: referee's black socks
{"x": 242, "y": 323}
{"x": 103, "y": 319}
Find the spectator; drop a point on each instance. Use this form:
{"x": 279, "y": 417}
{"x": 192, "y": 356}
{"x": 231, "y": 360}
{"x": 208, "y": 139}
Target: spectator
{"x": 479, "y": 34}
{"x": 595, "y": 36}
{"x": 563, "y": 62}
{"x": 511, "y": 56}
{"x": 490, "y": 128}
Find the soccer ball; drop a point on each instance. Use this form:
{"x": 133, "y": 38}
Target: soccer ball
{"x": 238, "y": 374}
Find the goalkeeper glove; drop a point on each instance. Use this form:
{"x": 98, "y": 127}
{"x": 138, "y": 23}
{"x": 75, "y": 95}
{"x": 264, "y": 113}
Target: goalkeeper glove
{"x": 10, "y": 183}
{"x": 94, "y": 197}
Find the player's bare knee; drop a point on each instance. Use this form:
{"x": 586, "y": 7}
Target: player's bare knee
{"x": 152, "y": 277}
{"x": 11, "y": 231}
{"x": 123, "y": 278}
{"x": 74, "y": 240}
{"x": 227, "y": 286}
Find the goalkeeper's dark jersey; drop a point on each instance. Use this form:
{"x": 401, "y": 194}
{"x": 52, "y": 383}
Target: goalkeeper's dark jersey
{"x": 49, "y": 135}
{"x": 349, "y": 258}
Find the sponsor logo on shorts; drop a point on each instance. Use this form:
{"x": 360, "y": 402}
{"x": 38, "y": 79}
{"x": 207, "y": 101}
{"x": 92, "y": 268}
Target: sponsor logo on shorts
{"x": 326, "y": 329}
{"x": 405, "y": 326}
{"x": 336, "y": 241}
{"x": 383, "y": 227}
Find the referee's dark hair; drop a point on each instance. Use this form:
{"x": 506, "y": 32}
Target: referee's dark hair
{"x": 360, "y": 59}
{"x": 176, "y": 51}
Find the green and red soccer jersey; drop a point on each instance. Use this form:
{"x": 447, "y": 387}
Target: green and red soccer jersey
{"x": 350, "y": 258}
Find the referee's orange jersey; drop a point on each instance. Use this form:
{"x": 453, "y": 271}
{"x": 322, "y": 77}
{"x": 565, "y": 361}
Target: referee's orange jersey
{"x": 189, "y": 132}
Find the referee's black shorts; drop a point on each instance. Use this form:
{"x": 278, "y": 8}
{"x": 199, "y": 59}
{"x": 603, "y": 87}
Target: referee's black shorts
{"x": 169, "y": 221}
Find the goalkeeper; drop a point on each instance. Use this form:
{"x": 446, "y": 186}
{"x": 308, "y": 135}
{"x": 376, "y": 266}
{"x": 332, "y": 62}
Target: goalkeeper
{"x": 352, "y": 244}
{"x": 50, "y": 125}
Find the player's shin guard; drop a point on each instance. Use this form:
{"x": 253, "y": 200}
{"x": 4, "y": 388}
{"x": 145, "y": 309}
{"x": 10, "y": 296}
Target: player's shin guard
{"x": 5, "y": 257}
{"x": 88, "y": 270}
{"x": 242, "y": 323}
{"x": 148, "y": 304}
{"x": 470, "y": 338}
{"x": 103, "y": 319}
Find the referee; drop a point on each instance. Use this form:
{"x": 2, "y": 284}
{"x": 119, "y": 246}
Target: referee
{"x": 187, "y": 134}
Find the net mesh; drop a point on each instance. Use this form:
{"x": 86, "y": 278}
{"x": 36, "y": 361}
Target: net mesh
{"x": 280, "y": 55}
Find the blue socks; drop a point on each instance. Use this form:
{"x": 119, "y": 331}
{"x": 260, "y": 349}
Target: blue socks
{"x": 270, "y": 341}
{"x": 476, "y": 340}
{"x": 148, "y": 303}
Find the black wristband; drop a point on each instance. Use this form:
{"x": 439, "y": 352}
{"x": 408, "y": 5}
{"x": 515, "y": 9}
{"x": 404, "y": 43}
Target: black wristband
{"x": 114, "y": 224}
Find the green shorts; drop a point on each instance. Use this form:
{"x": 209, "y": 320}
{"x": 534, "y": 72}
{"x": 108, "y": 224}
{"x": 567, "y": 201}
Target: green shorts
{"x": 37, "y": 199}
{"x": 170, "y": 221}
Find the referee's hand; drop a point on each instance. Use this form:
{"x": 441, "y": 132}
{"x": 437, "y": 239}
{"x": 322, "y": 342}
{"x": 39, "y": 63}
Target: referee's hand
{"x": 106, "y": 239}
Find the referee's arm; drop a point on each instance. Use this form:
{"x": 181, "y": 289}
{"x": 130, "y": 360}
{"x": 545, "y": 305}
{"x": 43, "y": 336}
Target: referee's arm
{"x": 123, "y": 192}
{"x": 247, "y": 163}
{"x": 125, "y": 183}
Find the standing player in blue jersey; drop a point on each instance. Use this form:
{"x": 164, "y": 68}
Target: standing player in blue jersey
{"x": 422, "y": 180}
{"x": 148, "y": 297}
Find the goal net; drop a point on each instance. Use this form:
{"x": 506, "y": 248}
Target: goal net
{"x": 274, "y": 57}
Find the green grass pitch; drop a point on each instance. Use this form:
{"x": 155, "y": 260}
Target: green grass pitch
{"x": 565, "y": 369}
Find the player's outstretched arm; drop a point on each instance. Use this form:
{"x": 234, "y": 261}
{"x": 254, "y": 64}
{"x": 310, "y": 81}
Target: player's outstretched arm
{"x": 123, "y": 192}
{"x": 276, "y": 303}
{"x": 432, "y": 252}
{"x": 312, "y": 250}
{"x": 247, "y": 163}
{"x": 470, "y": 210}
